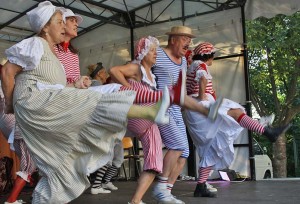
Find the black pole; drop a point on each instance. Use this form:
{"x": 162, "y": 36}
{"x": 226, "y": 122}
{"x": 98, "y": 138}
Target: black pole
{"x": 131, "y": 43}
{"x": 248, "y": 98}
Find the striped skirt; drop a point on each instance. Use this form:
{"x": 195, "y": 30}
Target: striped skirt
{"x": 70, "y": 134}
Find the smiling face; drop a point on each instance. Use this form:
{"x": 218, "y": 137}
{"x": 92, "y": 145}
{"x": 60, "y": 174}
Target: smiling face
{"x": 180, "y": 45}
{"x": 55, "y": 29}
{"x": 71, "y": 27}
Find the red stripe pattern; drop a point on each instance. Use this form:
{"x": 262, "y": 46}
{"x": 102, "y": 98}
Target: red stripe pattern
{"x": 253, "y": 125}
{"x": 192, "y": 84}
{"x": 147, "y": 132}
{"x": 70, "y": 63}
{"x": 203, "y": 174}
{"x": 144, "y": 94}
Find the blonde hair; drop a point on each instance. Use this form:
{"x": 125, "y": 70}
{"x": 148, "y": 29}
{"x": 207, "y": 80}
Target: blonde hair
{"x": 91, "y": 68}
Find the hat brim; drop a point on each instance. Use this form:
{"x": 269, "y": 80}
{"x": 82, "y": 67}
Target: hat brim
{"x": 79, "y": 18}
{"x": 182, "y": 34}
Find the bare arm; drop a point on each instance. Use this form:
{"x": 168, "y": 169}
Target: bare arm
{"x": 120, "y": 73}
{"x": 8, "y": 73}
{"x": 202, "y": 85}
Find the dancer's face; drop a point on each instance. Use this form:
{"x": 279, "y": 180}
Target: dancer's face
{"x": 55, "y": 29}
{"x": 180, "y": 45}
{"x": 210, "y": 61}
{"x": 71, "y": 27}
{"x": 150, "y": 58}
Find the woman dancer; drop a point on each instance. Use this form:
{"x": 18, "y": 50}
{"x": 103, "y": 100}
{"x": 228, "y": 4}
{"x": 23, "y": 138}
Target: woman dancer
{"x": 214, "y": 141}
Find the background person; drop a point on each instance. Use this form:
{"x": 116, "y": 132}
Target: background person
{"x": 98, "y": 74}
{"x": 102, "y": 182}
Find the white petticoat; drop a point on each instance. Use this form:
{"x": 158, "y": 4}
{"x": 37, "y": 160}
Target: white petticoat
{"x": 214, "y": 139}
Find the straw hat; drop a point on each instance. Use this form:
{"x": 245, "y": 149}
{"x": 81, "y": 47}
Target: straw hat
{"x": 181, "y": 30}
{"x": 3, "y": 61}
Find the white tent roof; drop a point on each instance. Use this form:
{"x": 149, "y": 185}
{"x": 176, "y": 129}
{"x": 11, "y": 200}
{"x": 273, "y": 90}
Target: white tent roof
{"x": 130, "y": 13}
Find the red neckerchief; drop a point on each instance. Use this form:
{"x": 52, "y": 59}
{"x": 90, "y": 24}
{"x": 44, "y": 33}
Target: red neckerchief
{"x": 65, "y": 45}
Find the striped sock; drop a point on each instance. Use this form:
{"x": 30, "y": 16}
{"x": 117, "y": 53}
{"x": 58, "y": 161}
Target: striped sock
{"x": 144, "y": 95}
{"x": 203, "y": 174}
{"x": 111, "y": 171}
{"x": 253, "y": 125}
{"x": 99, "y": 176}
{"x": 170, "y": 186}
{"x": 162, "y": 182}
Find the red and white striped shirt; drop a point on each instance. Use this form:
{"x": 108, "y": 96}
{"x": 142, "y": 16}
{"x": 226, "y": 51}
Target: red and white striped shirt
{"x": 197, "y": 70}
{"x": 70, "y": 62}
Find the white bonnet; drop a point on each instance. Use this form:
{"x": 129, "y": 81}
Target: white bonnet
{"x": 39, "y": 16}
{"x": 142, "y": 47}
{"x": 69, "y": 13}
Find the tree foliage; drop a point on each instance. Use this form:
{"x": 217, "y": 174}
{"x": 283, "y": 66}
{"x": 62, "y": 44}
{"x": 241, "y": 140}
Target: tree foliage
{"x": 274, "y": 68}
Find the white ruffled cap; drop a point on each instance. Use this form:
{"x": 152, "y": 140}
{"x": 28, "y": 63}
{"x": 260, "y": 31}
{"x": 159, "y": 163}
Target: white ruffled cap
{"x": 143, "y": 46}
{"x": 69, "y": 13}
{"x": 39, "y": 16}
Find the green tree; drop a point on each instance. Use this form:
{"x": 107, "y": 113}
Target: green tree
{"x": 274, "y": 67}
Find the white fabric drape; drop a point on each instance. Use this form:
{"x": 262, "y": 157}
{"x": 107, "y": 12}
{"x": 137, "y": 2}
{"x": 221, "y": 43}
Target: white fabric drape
{"x": 270, "y": 8}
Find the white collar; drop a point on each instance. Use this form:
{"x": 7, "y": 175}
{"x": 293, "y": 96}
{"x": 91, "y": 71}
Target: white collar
{"x": 145, "y": 78}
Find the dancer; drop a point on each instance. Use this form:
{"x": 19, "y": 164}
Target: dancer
{"x": 214, "y": 141}
{"x": 139, "y": 77}
{"x": 68, "y": 131}
{"x": 27, "y": 166}
{"x": 68, "y": 54}
{"x": 170, "y": 60}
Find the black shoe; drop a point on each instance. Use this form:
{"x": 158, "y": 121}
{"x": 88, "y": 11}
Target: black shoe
{"x": 202, "y": 191}
{"x": 273, "y": 133}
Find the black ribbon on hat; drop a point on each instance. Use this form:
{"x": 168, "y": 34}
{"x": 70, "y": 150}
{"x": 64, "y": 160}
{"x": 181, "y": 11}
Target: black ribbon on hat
{"x": 97, "y": 69}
